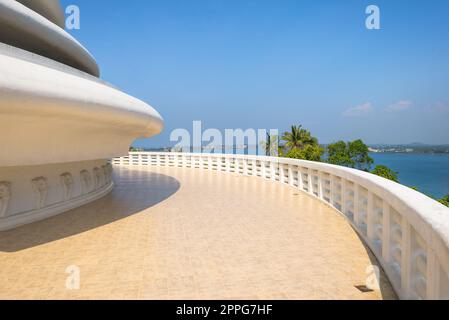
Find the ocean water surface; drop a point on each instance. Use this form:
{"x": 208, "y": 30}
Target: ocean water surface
{"x": 428, "y": 172}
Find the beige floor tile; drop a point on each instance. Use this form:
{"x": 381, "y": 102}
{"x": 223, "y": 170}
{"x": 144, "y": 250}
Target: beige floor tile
{"x": 168, "y": 233}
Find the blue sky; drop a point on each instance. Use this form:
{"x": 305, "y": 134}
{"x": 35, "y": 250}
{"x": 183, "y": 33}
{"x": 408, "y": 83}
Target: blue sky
{"x": 271, "y": 64}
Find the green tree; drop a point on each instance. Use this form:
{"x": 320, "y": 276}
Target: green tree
{"x": 359, "y": 152}
{"x": 338, "y": 154}
{"x": 385, "y": 172}
{"x": 353, "y": 154}
{"x": 445, "y": 200}
{"x": 300, "y": 144}
{"x": 309, "y": 152}
{"x": 293, "y": 138}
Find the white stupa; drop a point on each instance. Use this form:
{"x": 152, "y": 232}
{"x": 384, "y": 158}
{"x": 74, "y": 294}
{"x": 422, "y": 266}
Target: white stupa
{"x": 59, "y": 123}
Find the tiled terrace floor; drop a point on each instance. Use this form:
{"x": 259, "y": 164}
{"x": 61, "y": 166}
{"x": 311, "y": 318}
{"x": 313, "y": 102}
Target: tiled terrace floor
{"x": 167, "y": 233}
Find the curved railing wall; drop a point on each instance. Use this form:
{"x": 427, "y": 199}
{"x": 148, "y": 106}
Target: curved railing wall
{"x": 407, "y": 231}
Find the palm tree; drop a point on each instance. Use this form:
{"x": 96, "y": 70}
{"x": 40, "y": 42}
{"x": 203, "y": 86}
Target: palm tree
{"x": 271, "y": 145}
{"x": 300, "y": 144}
{"x": 307, "y": 139}
{"x": 298, "y": 138}
{"x": 293, "y": 139}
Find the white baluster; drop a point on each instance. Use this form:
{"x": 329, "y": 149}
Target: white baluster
{"x": 356, "y": 205}
{"x": 406, "y": 259}
{"x": 262, "y": 169}
{"x": 281, "y": 173}
{"x": 344, "y": 199}
{"x": 433, "y": 276}
{"x": 253, "y": 167}
{"x": 386, "y": 231}
{"x": 223, "y": 163}
{"x": 332, "y": 187}
{"x": 291, "y": 180}
{"x": 272, "y": 170}
{"x": 370, "y": 216}
{"x": 300, "y": 179}
{"x": 310, "y": 180}
{"x": 320, "y": 176}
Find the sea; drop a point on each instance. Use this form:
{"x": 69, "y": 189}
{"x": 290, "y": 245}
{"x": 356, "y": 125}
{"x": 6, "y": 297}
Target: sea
{"x": 426, "y": 171}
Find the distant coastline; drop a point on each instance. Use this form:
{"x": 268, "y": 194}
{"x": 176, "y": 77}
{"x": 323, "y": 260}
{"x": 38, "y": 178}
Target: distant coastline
{"x": 417, "y": 148}
{"x": 374, "y": 148}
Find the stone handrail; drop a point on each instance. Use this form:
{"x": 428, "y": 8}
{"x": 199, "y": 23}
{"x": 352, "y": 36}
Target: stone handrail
{"x": 406, "y": 230}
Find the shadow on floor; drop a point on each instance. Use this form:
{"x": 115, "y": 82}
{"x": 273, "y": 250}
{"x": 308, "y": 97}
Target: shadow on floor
{"x": 135, "y": 191}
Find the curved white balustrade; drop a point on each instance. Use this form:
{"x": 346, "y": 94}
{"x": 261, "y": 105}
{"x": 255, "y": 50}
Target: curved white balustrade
{"x": 24, "y": 28}
{"x": 407, "y": 231}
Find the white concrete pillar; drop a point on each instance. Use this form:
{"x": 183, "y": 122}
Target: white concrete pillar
{"x": 183, "y": 161}
{"x": 356, "y": 205}
{"x": 332, "y": 187}
{"x": 386, "y": 223}
{"x": 273, "y": 171}
{"x": 263, "y": 169}
{"x": 300, "y": 179}
{"x": 320, "y": 185}
{"x": 370, "y": 216}
{"x": 254, "y": 162}
{"x": 406, "y": 248}
{"x": 433, "y": 276}
{"x": 281, "y": 174}
{"x": 209, "y": 163}
{"x": 310, "y": 180}
{"x": 291, "y": 178}
{"x": 344, "y": 199}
